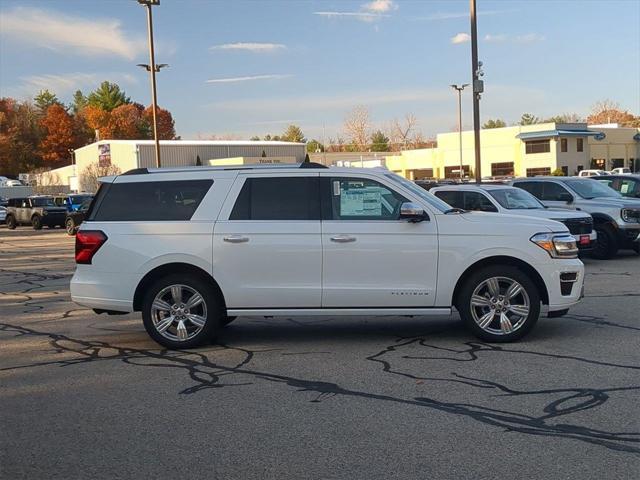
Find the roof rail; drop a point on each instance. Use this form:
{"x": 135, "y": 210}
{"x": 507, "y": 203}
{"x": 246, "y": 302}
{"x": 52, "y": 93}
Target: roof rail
{"x": 312, "y": 165}
{"x": 258, "y": 166}
{"x": 136, "y": 171}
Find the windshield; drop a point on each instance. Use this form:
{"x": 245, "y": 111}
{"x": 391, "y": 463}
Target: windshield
{"x": 516, "y": 198}
{"x": 419, "y": 192}
{"x": 76, "y": 199}
{"x": 591, "y": 189}
{"x": 43, "y": 202}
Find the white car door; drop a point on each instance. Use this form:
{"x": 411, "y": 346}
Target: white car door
{"x": 372, "y": 258}
{"x": 266, "y": 242}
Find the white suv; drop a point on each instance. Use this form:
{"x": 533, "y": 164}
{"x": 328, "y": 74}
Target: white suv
{"x": 193, "y": 248}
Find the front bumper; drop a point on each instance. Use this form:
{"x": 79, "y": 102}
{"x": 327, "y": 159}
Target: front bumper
{"x": 628, "y": 235}
{"x": 564, "y": 280}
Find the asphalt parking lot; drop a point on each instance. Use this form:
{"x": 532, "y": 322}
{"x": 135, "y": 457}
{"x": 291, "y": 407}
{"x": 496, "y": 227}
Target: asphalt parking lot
{"x": 86, "y": 396}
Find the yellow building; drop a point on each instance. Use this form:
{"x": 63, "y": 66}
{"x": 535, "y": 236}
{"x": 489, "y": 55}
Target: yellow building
{"x": 527, "y": 150}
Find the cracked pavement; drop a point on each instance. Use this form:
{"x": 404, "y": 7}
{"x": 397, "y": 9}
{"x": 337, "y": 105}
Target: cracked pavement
{"x": 87, "y": 396}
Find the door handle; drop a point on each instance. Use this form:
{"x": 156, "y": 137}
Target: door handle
{"x": 236, "y": 239}
{"x": 343, "y": 239}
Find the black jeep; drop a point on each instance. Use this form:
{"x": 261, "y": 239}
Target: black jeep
{"x": 36, "y": 211}
{"x": 76, "y": 217}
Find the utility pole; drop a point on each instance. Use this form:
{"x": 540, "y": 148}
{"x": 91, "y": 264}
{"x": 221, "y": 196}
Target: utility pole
{"x": 460, "y": 88}
{"x": 153, "y": 68}
{"x": 478, "y": 88}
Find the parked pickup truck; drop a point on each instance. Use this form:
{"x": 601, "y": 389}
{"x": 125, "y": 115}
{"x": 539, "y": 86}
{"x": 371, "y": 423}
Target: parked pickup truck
{"x": 616, "y": 218}
{"x": 195, "y": 247}
{"x": 36, "y": 211}
{"x": 510, "y": 200}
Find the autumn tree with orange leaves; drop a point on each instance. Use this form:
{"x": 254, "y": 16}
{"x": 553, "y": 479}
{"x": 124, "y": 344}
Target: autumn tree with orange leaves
{"x": 166, "y": 125}
{"x": 59, "y": 136}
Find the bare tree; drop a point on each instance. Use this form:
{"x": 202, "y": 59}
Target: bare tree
{"x": 90, "y": 175}
{"x": 357, "y": 127}
{"x": 401, "y": 131}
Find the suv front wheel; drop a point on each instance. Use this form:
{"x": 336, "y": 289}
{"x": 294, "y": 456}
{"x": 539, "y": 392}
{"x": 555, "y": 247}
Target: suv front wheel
{"x": 11, "y": 222}
{"x": 499, "y": 303}
{"x": 181, "y": 311}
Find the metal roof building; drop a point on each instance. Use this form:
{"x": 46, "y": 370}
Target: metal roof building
{"x": 129, "y": 154}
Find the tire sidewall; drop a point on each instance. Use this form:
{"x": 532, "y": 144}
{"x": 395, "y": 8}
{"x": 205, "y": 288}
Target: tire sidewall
{"x": 606, "y": 245}
{"x": 464, "y": 301}
{"x": 36, "y": 222}
{"x": 214, "y": 310}
{"x": 11, "y": 222}
{"x": 70, "y": 231}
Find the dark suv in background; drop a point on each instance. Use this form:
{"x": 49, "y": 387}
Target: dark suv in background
{"x": 76, "y": 217}
{"x": 36, "y": 211}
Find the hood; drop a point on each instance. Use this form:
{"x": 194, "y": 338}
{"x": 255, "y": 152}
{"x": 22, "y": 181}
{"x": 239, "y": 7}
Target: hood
{"x": 613, "y": 202}
{"x": 550, "y": 213}
{"x": 511, "y": 220}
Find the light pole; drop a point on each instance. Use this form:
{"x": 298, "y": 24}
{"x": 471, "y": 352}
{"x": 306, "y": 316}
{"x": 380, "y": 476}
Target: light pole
{"x": 460, "y": 88}
{"x": 153, "y": 68}
{"x": 478, "y": 86}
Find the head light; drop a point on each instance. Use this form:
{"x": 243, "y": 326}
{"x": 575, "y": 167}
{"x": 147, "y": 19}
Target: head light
{"x": 630, "y": 215}
{"x": 557, "y": 245}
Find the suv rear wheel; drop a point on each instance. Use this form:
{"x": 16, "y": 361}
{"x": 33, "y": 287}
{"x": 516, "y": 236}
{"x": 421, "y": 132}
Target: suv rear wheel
{"x": 181, "y": 311}
{"x": 499, "y": 303}
{"x": 11, "y": 222}
{"x": 70, "y": 226}
{"x": 36, "y": 222}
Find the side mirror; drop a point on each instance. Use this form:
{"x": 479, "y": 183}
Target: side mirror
{"x": 413, "y": 213}
{"x": 565, "y": 197}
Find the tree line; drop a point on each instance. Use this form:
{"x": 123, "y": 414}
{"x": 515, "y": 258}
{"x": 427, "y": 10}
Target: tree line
{"x": 40, "y": 133}
{"x": 603, "y": 111}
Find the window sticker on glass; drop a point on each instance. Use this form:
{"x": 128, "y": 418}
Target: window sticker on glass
{"x": 624, "y": 188}
{"x": 336, "y": 188}
{"x": 365, "y": 201}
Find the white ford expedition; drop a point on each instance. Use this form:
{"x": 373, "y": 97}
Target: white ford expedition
{"x": 194, "y": 248}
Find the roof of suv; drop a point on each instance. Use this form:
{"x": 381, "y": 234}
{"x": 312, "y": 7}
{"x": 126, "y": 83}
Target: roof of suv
{"x": 474, "y": 186}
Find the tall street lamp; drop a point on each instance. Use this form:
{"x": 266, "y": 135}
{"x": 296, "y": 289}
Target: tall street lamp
{"x": 460, "y": 88}
{"x": 153, "y": 68}
{"x": 478, "y": 86}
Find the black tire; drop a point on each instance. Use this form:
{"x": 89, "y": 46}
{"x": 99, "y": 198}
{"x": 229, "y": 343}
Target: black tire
{"x": 522, "y": 324}
{"x": 70, "y": 226}
{"x": 11, "y": 222}
{"x": 214, "y": 312}
{"x": 606, "y": 244}
{"x": 636, "y": 248}
{"x": 36, "y": 222}
{"x": 558, "y": 313}
{"x": 227, "y": 320}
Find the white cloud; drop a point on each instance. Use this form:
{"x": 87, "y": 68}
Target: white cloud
{"x": 249, "y": 78}
{"x": 70, "y": 34}
{"x": 530, "y": 38}
{"x": 497, "y": 38}
{"x": 251, "y": 47}
{"x": 362, "y": 16}
{"x": 380, "y": 6}
{"x": 65, "y": 84}
{"x": 329, "y": 102}
{"x": 460, "y": 38}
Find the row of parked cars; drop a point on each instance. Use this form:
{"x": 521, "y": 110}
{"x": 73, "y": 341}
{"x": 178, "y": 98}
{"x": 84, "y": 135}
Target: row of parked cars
{"x": 601, "y": 212}
{"x": 66, "y": 211}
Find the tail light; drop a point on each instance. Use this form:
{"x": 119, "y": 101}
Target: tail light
{"x": 88, "y": 242}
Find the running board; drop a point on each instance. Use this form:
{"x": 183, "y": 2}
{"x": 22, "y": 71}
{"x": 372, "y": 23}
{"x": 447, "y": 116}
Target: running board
{"x": 304, "y": 312}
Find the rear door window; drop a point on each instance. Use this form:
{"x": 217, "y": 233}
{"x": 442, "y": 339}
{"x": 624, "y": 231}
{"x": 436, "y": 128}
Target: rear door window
{"x": 278, "y": 198}
{"x": 151, "y": 201}
{"x": 552, "y": 191}
{"x": 534, "y": 188}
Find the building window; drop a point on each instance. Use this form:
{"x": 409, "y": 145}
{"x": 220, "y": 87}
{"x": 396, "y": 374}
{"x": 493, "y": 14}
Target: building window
{"x": 535, "y": 172}
{"x": 580, "y": 144}
{"x": 420, "y": 173}
{"x": 504, "y": 169}
{"x": 563, "y": 145}
{"x": 598, "y": 163}
{"x": 537, "y": 146}
{"x": 454, "y": 172}
{"x": 617, "y": 163}
{"x": 565, "y": 171}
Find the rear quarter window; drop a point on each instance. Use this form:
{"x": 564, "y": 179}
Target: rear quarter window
{"x": 149, "y": 201}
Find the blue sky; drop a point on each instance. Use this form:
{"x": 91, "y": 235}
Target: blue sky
{"x": 251, "y": 67}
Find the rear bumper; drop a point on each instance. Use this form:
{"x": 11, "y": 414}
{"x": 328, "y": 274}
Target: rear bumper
{"x": 105, "y": 291}
{"x": 585, "y": 246}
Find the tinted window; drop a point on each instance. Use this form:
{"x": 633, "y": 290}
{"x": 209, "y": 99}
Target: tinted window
{"x": 534, "y": 188}
{"x": 478, "y": 202}
{"x": 515, "y": 198}
{"x": 362, "y": 199}
{"x": 278, "y": 198}
{"x": 151, "y": 201}
{"x": 43, "y": 202}
{"x": 455, "y": 199}
{"x": 552, "y": 191}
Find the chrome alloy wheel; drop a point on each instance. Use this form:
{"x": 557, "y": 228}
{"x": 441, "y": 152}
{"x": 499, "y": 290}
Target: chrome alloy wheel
{"x": 500, "y": 305}
{"x": 178, "y": 313}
